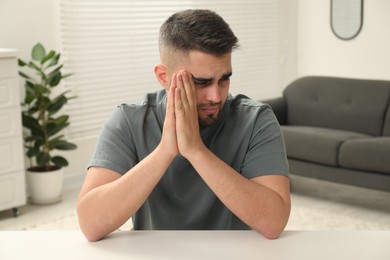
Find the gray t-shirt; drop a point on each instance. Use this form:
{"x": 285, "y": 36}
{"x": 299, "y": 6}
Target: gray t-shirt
{"x": 246, "y": 136}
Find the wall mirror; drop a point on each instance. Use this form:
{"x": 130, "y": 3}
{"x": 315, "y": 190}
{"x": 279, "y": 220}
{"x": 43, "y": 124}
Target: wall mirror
{"x": 346, "y": 18}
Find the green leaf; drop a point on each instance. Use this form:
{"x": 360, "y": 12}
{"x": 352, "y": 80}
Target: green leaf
{"x": 48, "y": 56}
{"x": 43, "y": 158}
{"x": 54, "y": 79}
{"x": 39, "y": 141}
{"x": 24, "y": 75}
{"x": 64, "y": 145}
{"x": 29, "y": 98}
{"x": 57, "y": 138}
{"x": 55, "y": 141}
{"x": 61, "y": 119}
{"x": 29, "y": 93}
{"x": 54, "y": 60}
{"x": 29, "y": 139}
{"x": 67, "y": 75}
{"x": 34, "y": 66}
{"x": 29, "y": 86}
{"x": 38, "y": 52}
{"x": 59, "y": 161}
{"x": 32, "y": 152}
{"x": 54, "y": 129}
{"x": 30, "y": 123}
{"x": 21, "y": 63}
{"x": 57, "y": 104}
{"x": 32, "y": 110}
{"x": 56, "y": 69}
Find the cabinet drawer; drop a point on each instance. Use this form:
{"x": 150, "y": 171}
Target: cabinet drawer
{"x": 9, "y": 93}
{"x": 12, "y": 190}
{"x": 11, "y": 155}
{"x": 10, "y": 122}
{"x": 8, "y": 68}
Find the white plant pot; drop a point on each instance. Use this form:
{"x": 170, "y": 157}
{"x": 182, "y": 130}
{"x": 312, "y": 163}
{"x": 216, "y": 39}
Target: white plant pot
{"x": 44, "y": 187}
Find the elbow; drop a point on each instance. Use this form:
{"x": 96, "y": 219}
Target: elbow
{"x": 91, "y": 237}
{"x": 270, "y": 233}
{"x": 271, "y": 230}
{"x": 88, "y": 229}
{"x": 90, "y": 233}
{"x": 274, "y": 226}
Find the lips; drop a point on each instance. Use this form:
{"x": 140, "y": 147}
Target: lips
{"x": 209, "y": 110}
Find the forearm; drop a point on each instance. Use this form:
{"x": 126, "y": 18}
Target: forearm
{"x": 105, "y": 208}
{"x": 258, "y": 206}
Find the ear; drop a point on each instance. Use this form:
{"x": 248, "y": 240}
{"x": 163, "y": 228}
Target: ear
{"x": 162, "y": 76}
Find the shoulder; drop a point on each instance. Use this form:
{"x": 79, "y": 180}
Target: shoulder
{"x": 137, "y": 111}
{"x": 244, "y": 104}
{"x": 128, "y": 115}
{"x": 148, "y": 100}
{"x": 254, "y": 114}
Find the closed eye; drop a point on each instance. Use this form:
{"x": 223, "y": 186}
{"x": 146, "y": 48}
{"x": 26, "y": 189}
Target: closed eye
{"x": 226, "y": 77}
{"x": 207, "y": 81}
{"x": 201, "y": 82}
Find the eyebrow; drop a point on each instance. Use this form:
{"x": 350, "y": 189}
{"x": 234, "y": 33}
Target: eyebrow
{"x": 224, "y": 76}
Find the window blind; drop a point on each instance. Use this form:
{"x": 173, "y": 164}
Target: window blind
{"x": 111, "y": 47}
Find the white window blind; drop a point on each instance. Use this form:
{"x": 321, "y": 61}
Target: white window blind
{"x": 111, "y": 46}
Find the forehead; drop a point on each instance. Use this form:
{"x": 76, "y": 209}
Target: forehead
{"x": 206, "y": 65}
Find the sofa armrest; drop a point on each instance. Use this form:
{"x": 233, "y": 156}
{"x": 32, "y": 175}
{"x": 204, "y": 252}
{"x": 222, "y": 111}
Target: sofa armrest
{"x": 279, "y": 107}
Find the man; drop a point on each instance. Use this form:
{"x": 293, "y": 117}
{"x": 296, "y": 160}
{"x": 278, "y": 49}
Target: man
{"x": 189, "y": 156}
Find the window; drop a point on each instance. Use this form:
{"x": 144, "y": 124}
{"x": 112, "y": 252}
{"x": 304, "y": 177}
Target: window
{"x": 111, "y": 47}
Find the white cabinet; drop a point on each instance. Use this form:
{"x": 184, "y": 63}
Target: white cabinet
{"x": 12, "y": 178}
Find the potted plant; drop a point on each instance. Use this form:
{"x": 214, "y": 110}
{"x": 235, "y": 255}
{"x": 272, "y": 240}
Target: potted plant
{"x": 44, "y": 124}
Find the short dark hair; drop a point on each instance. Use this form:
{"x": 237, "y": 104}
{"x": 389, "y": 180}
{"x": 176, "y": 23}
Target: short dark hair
{"x": 196, "y": 29}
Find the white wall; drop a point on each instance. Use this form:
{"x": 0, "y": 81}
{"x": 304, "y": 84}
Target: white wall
{"x": 24, "y": 23}
{"x": 320, "y": 52}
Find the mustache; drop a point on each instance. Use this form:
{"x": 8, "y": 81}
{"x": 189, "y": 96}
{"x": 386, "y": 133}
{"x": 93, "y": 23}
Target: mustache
{"x": 211, "y": 104}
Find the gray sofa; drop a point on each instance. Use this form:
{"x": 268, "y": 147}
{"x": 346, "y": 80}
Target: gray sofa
{"x": 337, "y": 129}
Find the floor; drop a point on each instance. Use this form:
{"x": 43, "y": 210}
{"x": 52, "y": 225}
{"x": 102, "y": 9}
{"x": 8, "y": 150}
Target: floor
{"x": 38, "y": 216}
{"x": 316, "y": 205}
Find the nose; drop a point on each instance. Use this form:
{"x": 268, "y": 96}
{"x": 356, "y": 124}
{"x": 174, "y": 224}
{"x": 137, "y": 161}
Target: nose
{"x": 213, "y": 93}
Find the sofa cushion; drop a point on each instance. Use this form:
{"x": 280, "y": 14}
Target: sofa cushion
{"x": 366, "y": 154}
{"x": 347, "y": 104}
{"x": 315, "y": 144}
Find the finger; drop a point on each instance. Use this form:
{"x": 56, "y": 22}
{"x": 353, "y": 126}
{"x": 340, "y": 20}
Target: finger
{"x": 178, "y": 102}
{"x": 171, "y": 100}
{"x": 169, "y": 121}
{"x": 189, "y": 88}
{"x": 183, "y": 94}
{"x": 171, "y": 93}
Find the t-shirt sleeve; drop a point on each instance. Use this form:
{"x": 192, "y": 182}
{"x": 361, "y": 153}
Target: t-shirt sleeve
{"x": 266, "y": 153}
{"x": 115, "y": 149}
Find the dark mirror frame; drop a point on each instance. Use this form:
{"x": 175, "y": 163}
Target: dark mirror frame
{"x": 353, "y": 34}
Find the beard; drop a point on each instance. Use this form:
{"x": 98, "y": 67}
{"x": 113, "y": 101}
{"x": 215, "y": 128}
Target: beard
{"x": 209, "y": 119}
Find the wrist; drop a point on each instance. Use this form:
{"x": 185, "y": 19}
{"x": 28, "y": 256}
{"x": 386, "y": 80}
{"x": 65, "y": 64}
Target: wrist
{"x": 165, "y": 153}
{"x": 196, "y": 153}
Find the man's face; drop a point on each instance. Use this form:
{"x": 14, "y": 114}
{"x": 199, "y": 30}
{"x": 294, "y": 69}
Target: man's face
{"x": 211, "y": 76}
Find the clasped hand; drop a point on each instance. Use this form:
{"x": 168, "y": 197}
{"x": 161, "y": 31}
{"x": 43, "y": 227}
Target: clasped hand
{"x": 181, "y": 125}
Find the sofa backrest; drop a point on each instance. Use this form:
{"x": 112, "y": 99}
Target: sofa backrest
{"x": 340, "y": 103}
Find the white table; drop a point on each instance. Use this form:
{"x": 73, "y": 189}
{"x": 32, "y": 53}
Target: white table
{"x": 242, "y": 245}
